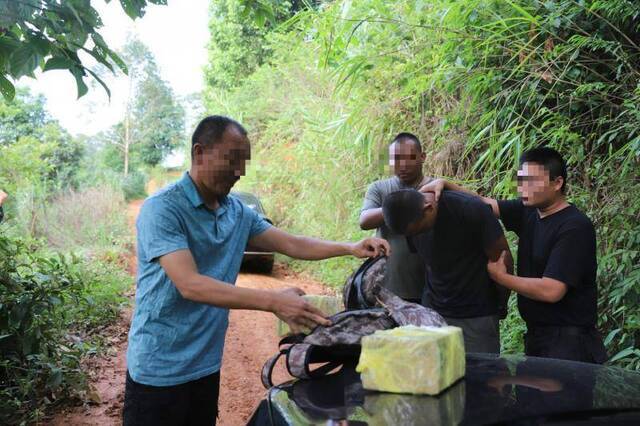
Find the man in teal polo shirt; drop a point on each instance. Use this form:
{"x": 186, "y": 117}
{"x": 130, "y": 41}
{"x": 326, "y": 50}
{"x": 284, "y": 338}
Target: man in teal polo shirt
{"x": 191, "y": 238}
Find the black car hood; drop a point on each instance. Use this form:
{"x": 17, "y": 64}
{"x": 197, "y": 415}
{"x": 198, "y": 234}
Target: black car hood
{"x": 495, "y": 390}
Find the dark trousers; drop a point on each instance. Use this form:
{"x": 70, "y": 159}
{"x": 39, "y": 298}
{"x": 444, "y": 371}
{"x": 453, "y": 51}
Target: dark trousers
{"x": 481, "y": 334}
{"x": 191, "y": 403}
{"x": 582, "y": 344}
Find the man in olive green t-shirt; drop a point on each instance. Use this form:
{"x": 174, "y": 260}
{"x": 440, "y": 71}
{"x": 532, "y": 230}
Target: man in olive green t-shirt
{"x": 405, "y": 270}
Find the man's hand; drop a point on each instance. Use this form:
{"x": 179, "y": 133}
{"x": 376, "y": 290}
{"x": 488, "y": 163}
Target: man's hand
{"x": 436, "y": 186}
{"x": 497, "y": 268}
{"x": 291, "y": 308}
{"x": 371, "y": 247}
{"x": 3, "y": 196}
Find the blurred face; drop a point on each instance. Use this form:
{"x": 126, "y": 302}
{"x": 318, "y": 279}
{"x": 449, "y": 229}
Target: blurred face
{"x": 535, "y": 186}
{"x": 406, "y": 161}
{"x": 222, "y": 164}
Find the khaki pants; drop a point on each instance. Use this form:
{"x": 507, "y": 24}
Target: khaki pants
{"x": 481, "y": 334}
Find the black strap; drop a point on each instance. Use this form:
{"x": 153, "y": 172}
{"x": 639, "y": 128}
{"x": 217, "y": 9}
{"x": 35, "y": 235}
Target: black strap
{"x": 267, "y": 369}
{"x": 358, "y": 279}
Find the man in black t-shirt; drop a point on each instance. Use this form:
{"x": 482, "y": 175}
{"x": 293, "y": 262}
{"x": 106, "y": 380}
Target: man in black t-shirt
{"x": 455, "y": 237}
{"x": 556, "y": 281}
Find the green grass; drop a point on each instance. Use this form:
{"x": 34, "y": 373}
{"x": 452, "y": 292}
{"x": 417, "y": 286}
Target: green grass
{"x": 479, "y": 81}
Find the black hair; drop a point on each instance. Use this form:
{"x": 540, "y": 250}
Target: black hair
{"x": 209, "y": 131}
{"x": 402, "y": 208}
{"x": 550, "y": 159}
{"x": 407, "y": 137}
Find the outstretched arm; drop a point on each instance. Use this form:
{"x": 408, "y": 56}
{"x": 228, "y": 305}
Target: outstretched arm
{"x": 306, "y": 248}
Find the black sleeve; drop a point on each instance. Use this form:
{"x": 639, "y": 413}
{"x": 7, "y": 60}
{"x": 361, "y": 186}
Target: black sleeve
{"x": 484, "y": 224}
{"x": 512, "y": 214}
{"x": 572, "y": 255}
{"x": 1, "y": 214}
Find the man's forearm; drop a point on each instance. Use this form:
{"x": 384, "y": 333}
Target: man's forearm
{"x": 203, "y": 289}
{"x": 534, "y": 288}
{"x": 371, "y": 219}
{"x": 307, "y": 248}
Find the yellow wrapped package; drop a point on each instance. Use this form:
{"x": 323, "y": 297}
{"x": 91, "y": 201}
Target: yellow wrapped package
{"x": 409, "y": 359}
{"x": 330, "y": 305}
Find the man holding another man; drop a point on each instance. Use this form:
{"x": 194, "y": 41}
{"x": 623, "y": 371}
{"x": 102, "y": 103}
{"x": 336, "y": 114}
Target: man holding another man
{"x": 556, "y": 274}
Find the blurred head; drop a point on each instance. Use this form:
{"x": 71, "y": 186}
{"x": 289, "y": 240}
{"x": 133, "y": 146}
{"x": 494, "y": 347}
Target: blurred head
{"x": 219, "y": 151}
{"x": 409, "y": 212}
{"x": 542, "y": 177}
{"x": 406, "y": 157}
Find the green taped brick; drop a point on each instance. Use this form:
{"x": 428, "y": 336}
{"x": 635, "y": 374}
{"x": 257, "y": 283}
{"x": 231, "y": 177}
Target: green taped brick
{"x": 415, "y": 360}
{"x": 330, "y": 305}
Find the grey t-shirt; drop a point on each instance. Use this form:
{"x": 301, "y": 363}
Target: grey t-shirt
{"x": 405, "y": 270}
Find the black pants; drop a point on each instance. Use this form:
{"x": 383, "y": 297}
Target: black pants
{"x": 571, "y": 343}
{"x": 191, "y": 403}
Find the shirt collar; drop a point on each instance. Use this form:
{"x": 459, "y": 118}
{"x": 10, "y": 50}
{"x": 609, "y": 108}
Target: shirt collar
{"x": 192, "y": 194}
{"x": 190, "y": 190}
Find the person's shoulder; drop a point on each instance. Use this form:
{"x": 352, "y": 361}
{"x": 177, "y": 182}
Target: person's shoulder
{"x": 386, "y": 185}
{"x": 165, "y": 199}
{"x": 574, "y": 218}
{"x": 461, "y": 199}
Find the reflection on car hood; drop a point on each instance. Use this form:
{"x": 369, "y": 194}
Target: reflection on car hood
{"x": 495, "y": 389}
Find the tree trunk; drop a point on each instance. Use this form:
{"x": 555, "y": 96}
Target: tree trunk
{"x": 127, "y": 135}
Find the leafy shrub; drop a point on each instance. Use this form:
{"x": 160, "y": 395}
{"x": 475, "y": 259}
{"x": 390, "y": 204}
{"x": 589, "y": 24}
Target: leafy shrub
{"x": 45, "y": 298}
{"x": 133, "y": 186}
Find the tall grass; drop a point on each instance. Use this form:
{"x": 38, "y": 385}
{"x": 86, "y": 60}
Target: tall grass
{"x": 89, "y": 220}
{"x": 479, "y": 81}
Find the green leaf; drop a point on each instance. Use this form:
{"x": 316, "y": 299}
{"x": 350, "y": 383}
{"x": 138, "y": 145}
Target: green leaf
{"x": 59, "y": 63}
{"x": 6, "y": 88}
{"x": 102, "y": 83}
{"x": 55, "y": 378}
{"x": 622, "y": 354}
{"x": 78, "y": 74}
{"x": 23, "y": 61}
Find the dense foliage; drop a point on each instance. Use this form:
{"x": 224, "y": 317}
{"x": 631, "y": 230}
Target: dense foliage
{"x": 52, "y": 35}
{"x": 479, "y": 81}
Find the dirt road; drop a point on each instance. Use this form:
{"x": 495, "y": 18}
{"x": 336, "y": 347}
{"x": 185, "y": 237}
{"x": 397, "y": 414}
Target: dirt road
{"x": 250, "y": 341}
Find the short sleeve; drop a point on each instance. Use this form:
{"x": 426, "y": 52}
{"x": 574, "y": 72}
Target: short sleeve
{"x": 512, "y": 214}
{"x": 571, "y": 254}
{"x": 258, "y": 223}
{"x": 373, "y": 197}
{"x": 159, "y": 231}
{"x": 480, "y": 216}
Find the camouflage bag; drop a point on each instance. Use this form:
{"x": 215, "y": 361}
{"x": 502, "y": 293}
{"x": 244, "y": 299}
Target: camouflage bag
{"x": 369, "y": 307}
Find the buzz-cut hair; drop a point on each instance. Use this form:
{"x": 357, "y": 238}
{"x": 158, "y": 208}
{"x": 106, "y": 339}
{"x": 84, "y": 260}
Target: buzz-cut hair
{"x": 550, "y": 159}
{"x": 407, "y": 137}
{"x": 402, "y": 208}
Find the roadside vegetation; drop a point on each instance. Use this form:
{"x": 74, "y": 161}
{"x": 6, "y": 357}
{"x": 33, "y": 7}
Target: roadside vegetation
{"x": 65, "y": 242}
{"x": 324, "y": 89}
